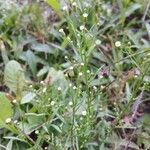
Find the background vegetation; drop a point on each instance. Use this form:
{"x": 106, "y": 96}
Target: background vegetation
{"x": 74, "y": 75}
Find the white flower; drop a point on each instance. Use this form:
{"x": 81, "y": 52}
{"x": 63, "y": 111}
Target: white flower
{"x": 97, "y": 42}
{"x": 14, "y": 101}
{"x": 88, "y": 71}
{"x": 70, "y": 84}
{"x": 59, "y": 88}
{"x": 65, "y": 8}
{"x": 74, "y": 4}
{"x": 46, "y": 148}
{"x": 117, "y": 43}
{"x": 82, "y": 64}
{"x": 102, "y": 87}
{"x": 82, "y": 27}
{"x": 71, "y": 68}
{"x": 80, "y": 73}
{"x": 37, "y": 132}
{"x": 8, "y": 120}
{"x": 129, "y": 43}
{"x": 52, "y": 103}
{"x": 84, "y": 113}
{"x": 15, "y": 121}
{"x": 61, "y": 30}
{"x": 31, "y": 86}
{"x": 100, "y": 108}
{"x": 70, "y": 103}
{"x": 42, "y": 82}
{"x": 95, "y": 88}
{"x": 66, "y": 57}
{"x": 44, "y": 90}
{"x": 74, "y": 87}
{"x": 100, "y": 76}
{"x": 85, "y": 15}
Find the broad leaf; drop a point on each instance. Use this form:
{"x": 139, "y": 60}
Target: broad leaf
{"x": 54, "y": 4}
{"x": 14, "y": 77}
{"x": 6, "y": 110}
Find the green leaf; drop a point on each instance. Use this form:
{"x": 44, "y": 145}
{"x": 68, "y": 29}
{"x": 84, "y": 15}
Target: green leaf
{"x": 28, "y": 97}
{"x": 56, "y": 128}
{"x": 54, "y": 4}
{"x": 14, "y": 77}
{"x": 32, "y": 62}
{"x": 42, "y": 48}
{"x": 9, "y": 145}
{"x": 6, "y": 110}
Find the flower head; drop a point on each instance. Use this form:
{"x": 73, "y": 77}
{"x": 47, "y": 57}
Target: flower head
{"x": 70, "y": 103}
{"x": 80, "y": 73}
{"x": 8, "y": 120}
{"x": 74, "y": 87}
{"x": 74, "y": 4}
{"x": 117, "y": 43}
{"x": 84, "y": 113}
{"x": 61, "y": 30}
{"x": 14, "y": 101}
{"x": 52, "y": 103}
{"x": 59, "y": 89}
{"x": 82, "y": 27}
{"x": 85, "y": 15}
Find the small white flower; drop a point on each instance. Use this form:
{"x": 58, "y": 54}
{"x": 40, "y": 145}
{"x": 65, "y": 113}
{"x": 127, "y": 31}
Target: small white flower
{"x": 88, "y": 71}
{"x": 59, "y": 88}
{"x": 95, "y": 88}
{"x": 129, "y": 43}
{"x": 82, "y": 27}
{"x": 46, "y": 148}
{"x": 70, "y": 84}
{"x": 31, "y": 86}
{"x": 44, "y": 90}
{"x": 85, "y": 15}
{"x": 135, "y": 76}
{"x": 71, "y": 68}
{"x": 66, "y": 57}
{"x": 37, "y": 132}
{"x": 65, "y": 8}
{"x": 78, "y": 36}
{"x": 42, "y": 82}
{"x": 100, "y": 108}
{"x": 14, "y": 101}
{"x": 82, "y": 64}
{"x": 52, "y": 103}
{"x": 8, "y": 120}
{"x": 100, "y": 76}
{"x": 117, "y": 43}
{"x": 102, "y": 87}
{"x": 15, "y": 121}
{"x": 70, "y": 103}
{"x": 84, "y": 113}
{"x": 80, "y": 73}
{"x": 97, "y": 42}
{"x": 74, "y": 87}
{"x": 61, "y": 30}
{"x": 74, "y": 4}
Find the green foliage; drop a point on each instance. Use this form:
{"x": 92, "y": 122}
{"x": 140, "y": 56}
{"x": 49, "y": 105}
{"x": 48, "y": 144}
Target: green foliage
{"x": 54, "y": 4}
{"x": 6, "y": 110}
{"x": 14, "y": 77}
{"x": 80, "y": 70}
